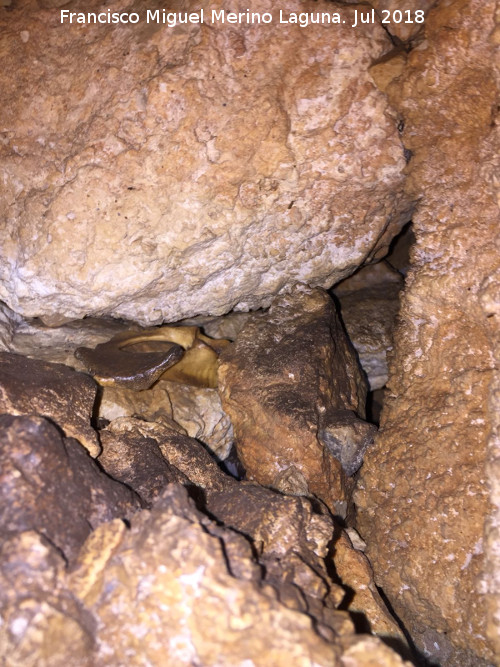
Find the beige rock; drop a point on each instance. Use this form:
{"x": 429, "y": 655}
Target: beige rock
{"x": 424, "y": 502}
{"x": 365, "y": 651}
{"x": 199, "y": 411}
{"x": 291, "y": 376}
{"x": 36, "y": 340}
{"x": 43, "y": 624}
{"x": 30, "y": 386}
{"x": 369, "y": 302}
{"x": 195, "y": 411}
{"x": 165, "y": 584}
{"x": 195, "y": 169}
{"x": 355, "y": 572}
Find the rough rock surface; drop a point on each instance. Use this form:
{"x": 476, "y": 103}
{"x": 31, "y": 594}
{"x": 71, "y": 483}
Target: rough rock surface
{"x": 175, "y": 589}
{"x": 355, "y": 572}
{"x": 8, "y": 323}
{"x": 196, "y": 411}
{"x": 369, "y": 304}
{"x": 130, "y": 455}
{"x": 196, "y": 169}
{"x": 36, "y": 340}
{"x": 30, "y": 386}
{"x": 199, "y": 411}
{"x": 424, "y": 503}
{"x": 290, "y": 538}
{"x": 289, "y": 371}
{"x": 51, "y": 485}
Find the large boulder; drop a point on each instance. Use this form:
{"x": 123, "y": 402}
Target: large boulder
{"x": 426, "y": 510}
{"x": 193, "y": 169}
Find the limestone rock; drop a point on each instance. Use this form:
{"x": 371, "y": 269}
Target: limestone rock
{"x": 167, "y": 579}
{"x": 130, "y": 455}
{"x": 42, "y": 622}
{"x": 51, "y": 485}
{"x": 369, "y": 302}
{"x": 424, "y": 503}
{"x": 57, "y": 344}
{"x": 30, "y": 386}
{"x": 287, "y": 368}
{"x": 289, "y": 538}
{"x": 212, "y": 171}
{"x": 199, "y": 411}
{"x": 355, "y": 572}
{"x": 195, "y": 411}
{"x": 8, "y": 323}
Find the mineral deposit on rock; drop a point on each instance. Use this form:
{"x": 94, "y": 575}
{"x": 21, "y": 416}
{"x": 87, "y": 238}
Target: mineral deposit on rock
{"x": 192, "y": 170}
{"x": 289, "y": 369}
{"x": 424, "y": 500}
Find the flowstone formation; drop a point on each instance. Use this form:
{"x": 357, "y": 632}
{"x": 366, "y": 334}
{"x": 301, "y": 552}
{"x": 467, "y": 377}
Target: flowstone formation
{"x": 428, "y": 493}
{"x": 190, "y": 170}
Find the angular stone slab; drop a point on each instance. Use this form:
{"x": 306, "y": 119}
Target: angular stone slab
{"x": 290, "y": 371}
{"x": 55, "y": 391}
{"x": 51, "y": 485}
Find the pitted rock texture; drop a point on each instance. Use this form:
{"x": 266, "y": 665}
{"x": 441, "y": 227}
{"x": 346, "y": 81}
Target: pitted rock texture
{"x": 196, "y": 411}
{"x": 289, "y": 369}
{"x": 290, "y": 538}
{"x": 174, "y": 589}
{"x": 50, "y": 484}
{"x": 190, "y": 171}
{"x": 369, "y": 304}
{"x": 424, "y": 503}
{"x": 133, "y": 457}
{"x": 30, "y": 386}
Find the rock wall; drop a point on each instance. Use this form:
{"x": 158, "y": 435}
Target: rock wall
{"x": 193, "y": 169}
{"x": 425, "y": 500}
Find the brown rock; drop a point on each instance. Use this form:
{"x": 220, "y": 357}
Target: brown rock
{"x": 51, "y": 485}
{"x": 286, "y": 376}
{"x": 8, "y": 323}
{"x": 369, "y": 302}
{"x": 54, "y": 391}
{"x": 130, "y": 455}
{"x": 355, "y": 573}
{"x": 424, "y": 502}
{"x": 165, "y": 583}
{"x": 289, "y": 539}
{"x": 184, "y": 186}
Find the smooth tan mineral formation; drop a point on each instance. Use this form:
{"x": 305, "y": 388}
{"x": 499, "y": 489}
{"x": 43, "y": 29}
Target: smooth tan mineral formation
{"x": 428, "y": 484}
{"x": 189, "y": 170}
